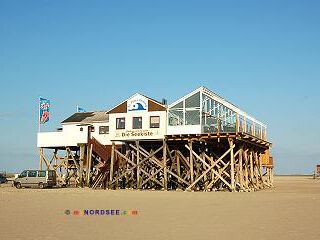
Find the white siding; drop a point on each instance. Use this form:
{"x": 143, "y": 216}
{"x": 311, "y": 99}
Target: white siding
{"x": 146, "y": 132}
{"x": 69, "y": 136}
{"x": 184, "y": 129}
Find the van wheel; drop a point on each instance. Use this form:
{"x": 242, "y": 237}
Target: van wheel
{"x": 18, "y": 185}
{"x": 41, "y": 186}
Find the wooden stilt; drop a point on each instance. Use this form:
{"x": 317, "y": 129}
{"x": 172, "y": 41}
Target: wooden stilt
{"x": 191, "y": 161}
{"x": 178, "y": 165}
{"x": 89, "y": 162}
{"x": 112, "y": 161}
{"x": 232, "y": 166}
{"x": 251, "y": 169}
{"x": 165, "y": 176}
{"x": 81, "y": 159}
{"x": 241, "y": 168}
{"x": 40, "y": 159}
{"x": 138, "y": 165}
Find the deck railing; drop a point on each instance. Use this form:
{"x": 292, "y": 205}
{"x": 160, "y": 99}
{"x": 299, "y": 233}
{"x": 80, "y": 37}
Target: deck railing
{"x": 241, "y": 125}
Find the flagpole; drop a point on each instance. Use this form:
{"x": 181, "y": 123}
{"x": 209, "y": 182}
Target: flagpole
{"x": 39, "y": 124}
{"x": 77, "y": 108}
{"x": 39, "y": 128}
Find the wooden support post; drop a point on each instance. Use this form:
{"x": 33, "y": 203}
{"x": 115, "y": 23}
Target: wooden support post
{"x": 246, "y": 172}
{"x": 260, "y": 167}
{"x": 202, "y": 155}
{"x": 138, "y": 165}
{"x": 259, "y": 184}
{"x": 232, "y": 165}
{"x": 259, "y": 181}
{"x": 165, "y": 175}
{"x": 191, "y": 161}
{"x": 66, "y": 157}
{"x": 55, "y": 154}
{"x": 112, "y": 161}
{"x": 241, "y": 168}
{"x": 89, "y": 162}
{"x": 40, "y": 159}
{"x": 82, "y": 154}
{"x": 178, "y": 165}
{"x": 251, "y": 169}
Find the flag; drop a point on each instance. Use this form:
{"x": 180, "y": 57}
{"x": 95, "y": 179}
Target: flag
{"x": 79, "y": 109}
{"x": 44, "y": 110}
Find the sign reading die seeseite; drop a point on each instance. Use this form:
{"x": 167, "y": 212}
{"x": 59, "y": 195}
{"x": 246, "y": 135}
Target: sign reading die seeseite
{"x": 137, "y": 103}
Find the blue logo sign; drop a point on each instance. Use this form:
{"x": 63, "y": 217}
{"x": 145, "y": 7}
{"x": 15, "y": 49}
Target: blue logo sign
{"x": 137, "y": 103}
{"x": 137, "y": 107}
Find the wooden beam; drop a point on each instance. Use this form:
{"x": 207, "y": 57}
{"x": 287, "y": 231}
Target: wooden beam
{"x": 82, "y": 154}
{"x": 141, "y": 162}
{"x": 165, "y": 176}
{"x": 112, "y": 161}
{"x": 138, "y": 165}
{"x": 40, "y": 159}
{"x": 191, "y": 160}
{"x": 241, "y": 168}
{"x": 89, "y": 163}
{"x": 209, "y": 169}
{"x": 232, "y": 167}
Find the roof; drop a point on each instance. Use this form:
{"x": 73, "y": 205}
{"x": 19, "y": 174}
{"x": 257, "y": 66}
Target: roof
{"x": 218, "y": 99}
{"x": 87, "y": 117}
{"x": 123, "y": 104}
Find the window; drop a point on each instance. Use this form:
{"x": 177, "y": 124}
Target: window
{"x": 41, "y": 173}
{"x": 23, "y": 174}
{"x": 192, "y": 117}
{"x": 121, "y": 123}
{"x": 154, "y": 122}
{"x": 32, "y": 173}
{"x": 137, "y": 123}
{"x": 104, "y": 130}
{"x": 81, "y": 129}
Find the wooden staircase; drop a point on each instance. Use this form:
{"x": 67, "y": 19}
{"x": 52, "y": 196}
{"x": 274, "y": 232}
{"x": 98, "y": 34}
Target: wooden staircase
{"x": 104, "y": 152}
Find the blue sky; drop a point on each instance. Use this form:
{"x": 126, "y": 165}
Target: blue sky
{"x": 261, "y": 55}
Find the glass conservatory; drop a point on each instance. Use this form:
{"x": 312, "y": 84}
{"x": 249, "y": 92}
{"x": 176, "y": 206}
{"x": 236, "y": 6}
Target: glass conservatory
{"x": 202, "y": 111}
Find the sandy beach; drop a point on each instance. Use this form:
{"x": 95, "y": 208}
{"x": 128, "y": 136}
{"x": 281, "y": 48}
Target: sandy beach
{"x": 289, "y": 211}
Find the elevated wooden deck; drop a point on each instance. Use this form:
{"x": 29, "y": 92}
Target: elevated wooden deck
{"x": 239, "y": 136}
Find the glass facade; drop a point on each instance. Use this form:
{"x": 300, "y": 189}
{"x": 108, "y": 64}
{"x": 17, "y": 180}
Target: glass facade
{"x": 213, "y": 114}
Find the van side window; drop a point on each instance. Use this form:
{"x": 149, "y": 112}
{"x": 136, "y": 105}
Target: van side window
{"x": 41, "y": 173}
{"x": 32, "y": 173}
{"x": 23, "y": 174}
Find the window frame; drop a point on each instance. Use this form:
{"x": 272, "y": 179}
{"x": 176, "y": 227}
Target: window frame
{"x": 124, "y": 127}
{"x": 133, "y": 123}
{"x": 150, "y": 121}
{"x": 104, "y": 132}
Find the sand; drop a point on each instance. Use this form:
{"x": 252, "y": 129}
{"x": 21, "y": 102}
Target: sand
{"x": 289, "y": 211}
